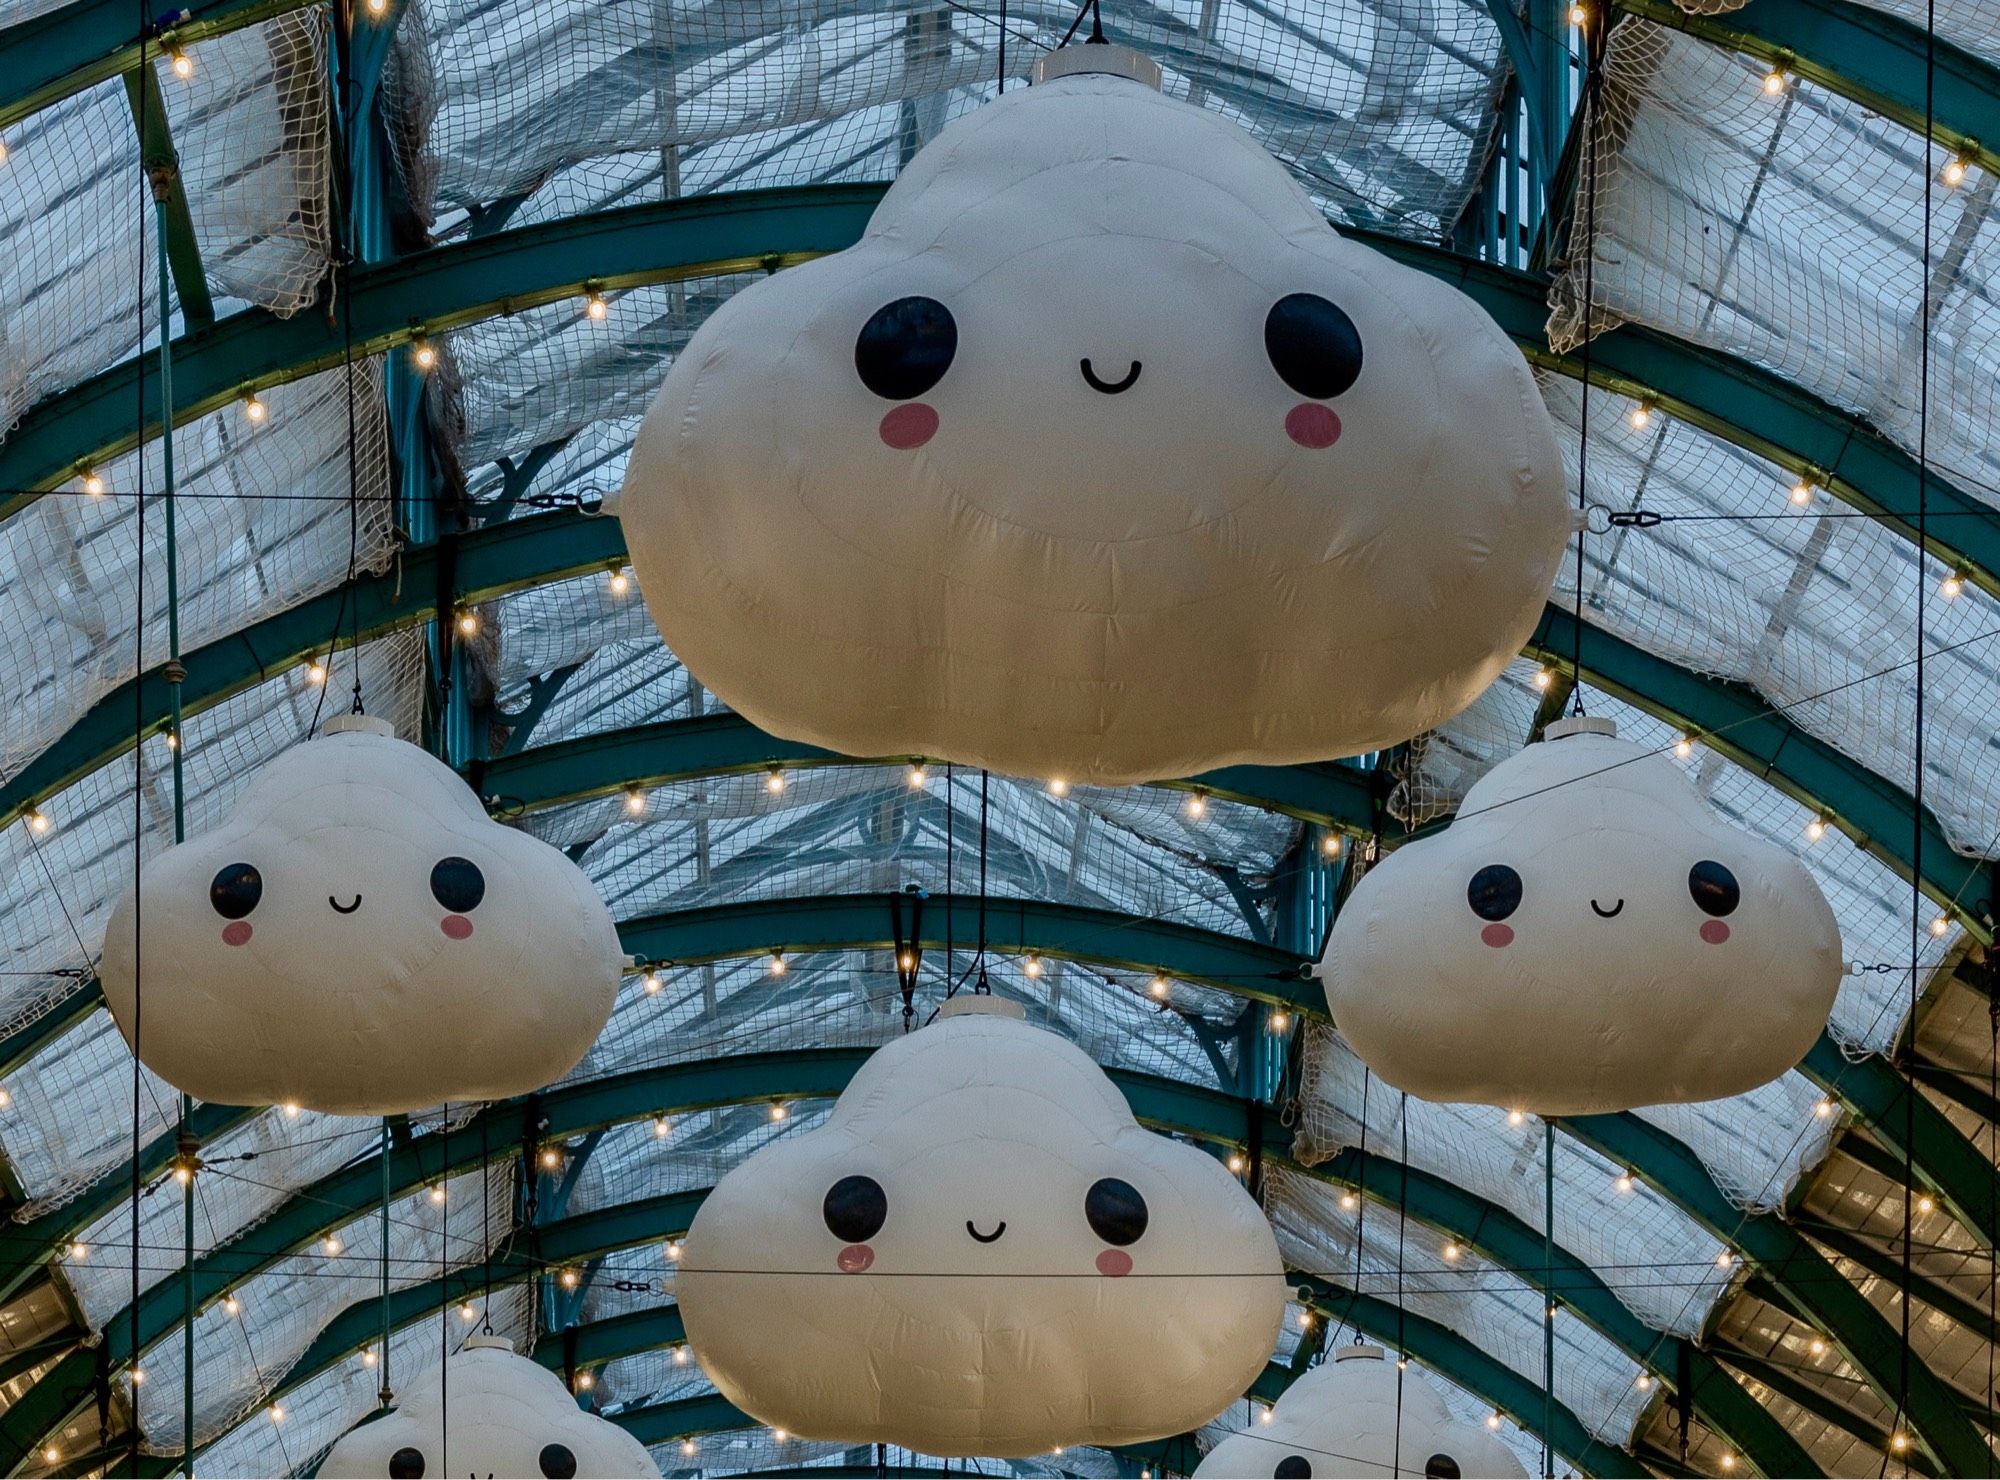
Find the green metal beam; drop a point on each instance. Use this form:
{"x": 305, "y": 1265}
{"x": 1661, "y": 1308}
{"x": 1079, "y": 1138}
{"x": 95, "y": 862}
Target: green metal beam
{"x": 1873, "y": 58}
{"x": 59, "y": 53}
{"x": 1808, "y": 1283}
{"x": 1329, "y": 794}
{"x": 1885, "y": 1265}
{"x": 163, "y": 169}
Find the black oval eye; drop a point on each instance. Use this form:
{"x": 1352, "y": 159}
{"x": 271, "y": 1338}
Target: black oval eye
{"x": 1714, "y": 888}
{"x": 1116, "y": 1212}
{"x": 557, "y": 1461}
{"x": 406, "y": 1464}
{"x": 1495, "y": 892}
{"x": 1293, "y": 1467}
{"x": 1442, "y": 1466}
{"x": 905, "y": 348}
{"x": 458, "y": 885}
{"x": 855, "y": 1209}
{"x": 236, "y": 891}
{"x": 1313, "y": 345}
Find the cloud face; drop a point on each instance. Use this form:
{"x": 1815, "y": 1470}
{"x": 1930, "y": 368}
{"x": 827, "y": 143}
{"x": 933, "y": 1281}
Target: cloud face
{"x": 508, "y": 1416}
{"x": 360, "y": 938}
{"x": 1586, "y": 936}
{"x": 981, "y": 1252}
{"x": 1100, "y": 456}
{"x": 1340, "y": 1418}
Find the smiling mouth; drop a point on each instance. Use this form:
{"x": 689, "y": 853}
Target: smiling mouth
{"x": 985, "y": 1238}
{"x": 1611, "y": 914}
{"x": 344, "y": 909}
{"x": 1108, "y": 387}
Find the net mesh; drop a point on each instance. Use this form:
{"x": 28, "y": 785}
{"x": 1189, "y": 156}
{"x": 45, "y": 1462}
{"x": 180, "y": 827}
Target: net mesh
{"x": 1972, "y": 24}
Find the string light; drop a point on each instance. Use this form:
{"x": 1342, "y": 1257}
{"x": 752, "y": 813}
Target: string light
{"x": 1643, "y": 1381}
{"x": 774, "y": 781}
{"x": 425, "y": 353}
{"x": 79, "y": 1250}
{"x": 1952, "y": 586}
{"x": 635, "y": 800}
{"x": 468, "y": 1312}
{"x": 437, "y": 1193}
{"x": 38, "y": 820}
{"x": 595, "y": 306}
{"x": 50, "y": 1454}
{"x": 1823, "y": 1107}
{"x": 138, "y": 1376}
{"x": 662, "y": 1127}
{"x": 1925, "y": 1205}
{"x": 674, "y": 1252}
{"x": 1330, "y": 845}
{"x": 778, "y": 967}
{"x": 291, "y": 1109}
{"x": 1684, "y": 746}
{"x": 1725, "y": 1260}
{"x": 1493, "y": 1419}
{"x": 182, "y": 63}
{"x": 1279, "y": 1021}
{"x": 173, "y": 740}
{"x": 1235, "y": 1161}
{"x": 551, "y": 1158}
{"x": 1579, "y": 16}
{"x": 1515, "y": 1117}
{"x": 1728, "y": 1461}
{"x": 330, "y": 1245}
{"x": 93, "y": 483}
{"x": 3, "y": 151}
{"x": 1305, "y": 1320}
{"x": 917, "y": 776}
{"x": 1775, "y": 82}
{"x": 183, "y": 1171}
{"x": 1451, "y": 1251}
{"x": 1899, "y": 1441}
{"x": 1033, "y": 965}
{"x": 1157, "y": 986}
{"x": 368, "y": 1356}
{"x": 1349, "y": 1201}
{"x": 687, "y": 1446}
{"x": 1802, "y": 491}
{"x": 1196, "y": 805}
{"x": 277, "y": 1412}
{"x": 6, "y": 1097}
{"x": 255, "y": 409}
{"x": 781, "y": 1436}
{"x": 651, "y": 982}
{"x": 1954, "y": 170}
{"x": 1058, "y": 787}
{"x": 315, "y": 672}
{"x": 1543, "y": 678}
{"x": 1816, "y": 829}
{"x": 585, "y": 1381}
{"x": 778, "y": 1111}
{"x": 1625, "y": 1182}
{"x": 1642, "y": 414}
{"x": 1402, "y": 1364}
{"x": 907, "y": 961}
{"x": 620, "y": 582}
{"x": 1263, "y": 1415}
{"x": 468, "y": 623}
{"x": 1941, "y": 926}
{"x": 1817, "y": 1347}
{"x": 569, "y": 1279}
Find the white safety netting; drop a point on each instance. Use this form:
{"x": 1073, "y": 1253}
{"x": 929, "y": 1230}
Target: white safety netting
{"x": 78, "y": 283}
{"x": 1972, "y": 24}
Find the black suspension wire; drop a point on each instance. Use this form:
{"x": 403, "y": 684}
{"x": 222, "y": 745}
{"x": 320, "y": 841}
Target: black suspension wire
{"x": 1593, "y": 86}
{"x": 139, "y": 734}
{"x": 1402, "y": 1228}
{"x": 980, "y": 987}
{"x": 1360, "y": 1202}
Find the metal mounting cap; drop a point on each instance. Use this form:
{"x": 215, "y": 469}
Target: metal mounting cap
{"x": 1109, "y": 58}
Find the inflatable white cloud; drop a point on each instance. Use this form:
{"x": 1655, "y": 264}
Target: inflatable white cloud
{"x": 1586, "y": 936}
{"x": 1344, "y": 1417}
{"x": 1100, "y": 456}
{"x": 486, "y": 1411}
{"x": 361, "y": 938}
{"x": 981, "y": 1253}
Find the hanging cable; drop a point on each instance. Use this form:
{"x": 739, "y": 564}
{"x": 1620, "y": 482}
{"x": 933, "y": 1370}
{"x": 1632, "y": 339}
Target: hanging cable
{"x": 385, "y": 1393}
{"x": 1593, "y": 83}
{"x": 981, "y": 988}
{"x": 1402, "y": 1228}
{"x": 138, "y": 740}
{"x": 1548, "y": 1298}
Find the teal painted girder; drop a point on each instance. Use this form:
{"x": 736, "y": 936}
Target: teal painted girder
{"x": 448, "y": 286}
{"x": 1164, "y": 1104}
{"x": 1817, "y": 1401}
{"x": 1327, "y": 793}
{"x": 1859, "y": 53}
{"x": 1808, "y": 1283}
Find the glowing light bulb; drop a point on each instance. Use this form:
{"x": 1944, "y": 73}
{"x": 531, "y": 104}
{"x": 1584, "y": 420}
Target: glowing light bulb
{"x": 231, "y": 1306}
{"x": 1263, "y": 1415}
{"x": 3, "y": 151}
{"x": 468, "y": 1312}
{"x": 585, "y": 1381}
{"x": 551, "y": 1158}
{"x": 468, "y": 623}
{"x": 1941, "y": 926}
{"x": 917, "y": 775}
{"x": 1280, "y": 1020}
{"x": 596, "y": 307}
{"x": 255, "y": 409}
{"x": 1493, "y": 1419}
{"x": 569, "y": 1279}
{"x": 1543, "y": 678}
{"x": 1802, "y": 491}
{"x": 79, "y": 1250}
{"x": 38, "y": 820}
{"x": 330, "y": 1244}
{"x": 1817, "y": 1347}
{"x": 774, "y": 782}
{"x": 1033, "y": 965}
{"x": 1330, "y": 845}
{"x": 1952, "y": 586}
{"x": 183, "y": 65}
{"x": 1058, "y": 787}
{"x": 138, "y": 1376}
{"x": 1816, "y": 829}
{"x": 780, "y": 1435}
{"x": 1349, "y": 1201}
{"x": 1925, "y": 1205}
{"x": 687, "y": 1446}
{"x": 635, "y": 800}
{"x": 1641, "y": 416}
{"x": 1775, "y": 82}
{"x": 1954, "y": 171}
{"x": 662, "y": 1127}
{"x": 620, "y": 583}
{"x": 680, "y": 1356}
{"x": 1552, "y": 1312}
{"x": 1579, "y": 16}
{"x": 173, "y": 740}
{"x": 291, "y": 1109}
{"x": 183, "y": 1173}
{"x": 1235, "y": 1161}
{"x": 778, "y": 967}
{"x": 315, "y": 672}
{"x": 1515, "y": 1117}
{"x": 93, "y": 484}
{"x": 652, "y": 983}
{"x": 1725, "y": 1260}
{"x": 425, "y": 354}
{"x": 1157, "y": 986}
{"x": 673, "y": 1249}
{"x": 6, "y": 1097}
{"x": 1305, "y": 1320}
{"x": 277, "y": 1412}
{"x": 1196, "y": 805}
{"x": 777, "y": 1112}
{"x": 368, "y": 1356}
{"x": 1899, "y": 1441}
{"x": 906, "y": 962}
{"x": 50, "y": 1454}
{"x": 1684, "y": 746}
{"x": 1451, "y": 1251}
{"x": 1402, "y": 1364}
{"x": 1625, "y": 1184}
{"x": 1643, "y": 1381}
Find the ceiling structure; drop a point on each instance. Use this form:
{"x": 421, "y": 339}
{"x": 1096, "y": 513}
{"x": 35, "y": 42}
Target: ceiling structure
{"x": 344, "y": 193}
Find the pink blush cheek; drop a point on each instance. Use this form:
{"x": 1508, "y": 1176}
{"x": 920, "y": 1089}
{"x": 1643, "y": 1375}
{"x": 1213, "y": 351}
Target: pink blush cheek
{"x": 855, "y": 1258}
{"x": 1714, "y": 932}
{"x": 1312, "y": 425}
{"x": 1497, "y": 934}
{"x": 236, "y": 933}
{"x": 1114, "y": 1262}
{"x": 456, "y": 926}
{"x": 908, "y": 427}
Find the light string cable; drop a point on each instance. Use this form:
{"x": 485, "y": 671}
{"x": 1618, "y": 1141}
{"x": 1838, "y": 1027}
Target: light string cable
{"x": 1917, "y": 910}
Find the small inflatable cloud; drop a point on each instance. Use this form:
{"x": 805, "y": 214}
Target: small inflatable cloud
{"x": 981, "y": 1252}
{"x": 1343, "y": 1418}
{"x": 360, "y": 938}
{"x": 1100, "y": 456}
{"x": 1587, "y": 936}
{"x": 507, "y": 1416}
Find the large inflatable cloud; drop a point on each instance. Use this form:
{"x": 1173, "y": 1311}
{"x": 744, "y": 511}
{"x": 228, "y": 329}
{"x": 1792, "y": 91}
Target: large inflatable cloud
{"x": 361, "y": 938}
{"x": 486, "y": 1411}
{"x": 1101, "y": 457}
{"x": 1346, "y": 1417}
{"x": 981, "y": 1253}
{"x": 1586, "y": 936}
